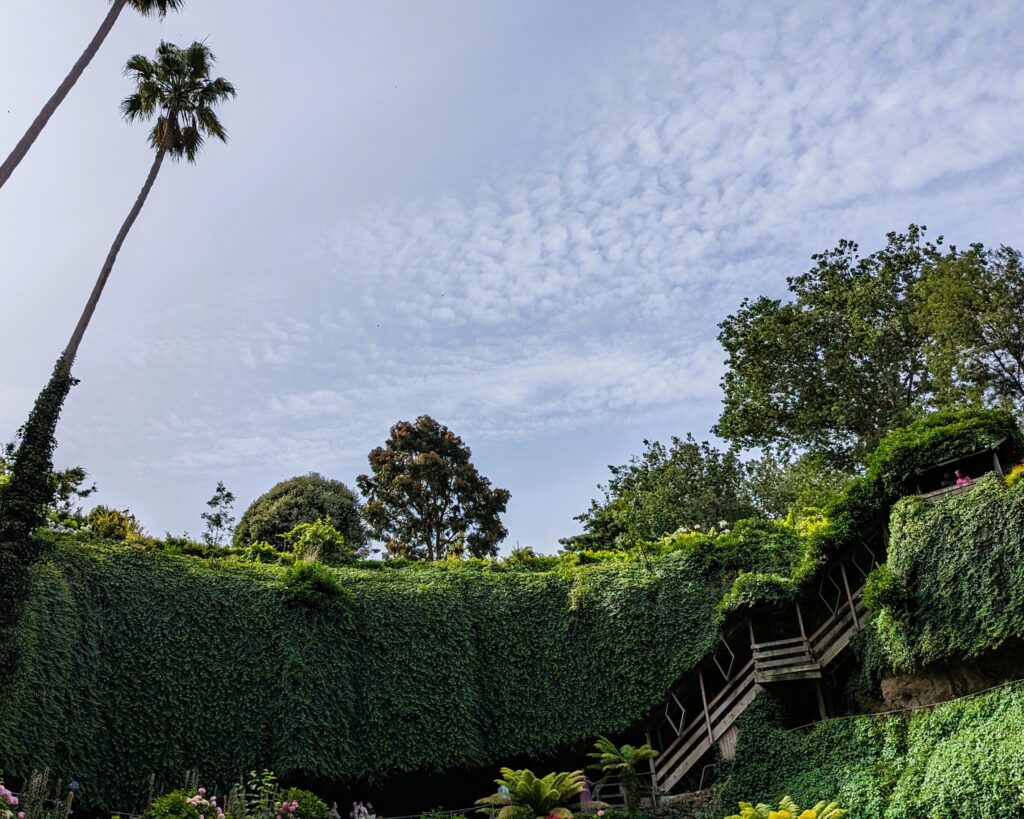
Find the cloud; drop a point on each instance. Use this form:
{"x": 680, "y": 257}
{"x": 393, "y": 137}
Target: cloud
{"x": 581, "y": 286}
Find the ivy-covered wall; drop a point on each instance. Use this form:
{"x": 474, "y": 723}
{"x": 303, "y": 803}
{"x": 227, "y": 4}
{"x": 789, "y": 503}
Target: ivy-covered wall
{"x": 953, "y": 587}
{"x": 133, "y": 663}
{"x": 963, "y": 758}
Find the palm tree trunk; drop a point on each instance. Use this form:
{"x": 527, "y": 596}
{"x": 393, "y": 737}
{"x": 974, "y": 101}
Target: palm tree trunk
{"x": 71, "y": 350}
{"x": 36, "y": 128}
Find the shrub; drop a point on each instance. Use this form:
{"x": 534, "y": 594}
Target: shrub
{"x": 313, "y": 585}
{"x": 115, "y": 524}
{"x": 960, "y": 758}
{"x": 303, "y": 499}
{"x": 522, "y": 793}
{"x": 307, "y": 805}
{"x": 320, "y": 541}
{"x": 788, "y": 809}
{"x": 181, "y": 804}
{"x": 8, "y": 804}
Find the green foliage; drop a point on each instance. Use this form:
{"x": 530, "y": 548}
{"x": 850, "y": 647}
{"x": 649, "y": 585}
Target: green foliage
{"x": 114, "y": 524}
{"x": 373, "y": 668}
{"x": 173, "y": 805}
{"x": 788, "y": 809}
{"x": 523, "y": 794}
{"x": 962, "y": 758}
{"x": 935, "y": 438}
{"x": 952, "y": 587}
{"x": 687, "y": 485}
{"x": 426, "y": 500}
{"x": 24, "y": 498}
{"x": 621, "y": 764}
{"x": 263, "y": 552}
{"x": 30, "y": 488}
{"x": 320, "y": 541}
{"x": 423, "y": 666}
{"x": 523, "y": 557}
{"x": 176, "y": 87}
{"x": 840, "y": 364}
{"x": 219, "y": 519}
{"x": 309, "y": 805}
{"x": 971, "y": 307}
{"x": 313, "y": 584}
{"x": 70, "y": 486}
{"x": 184, "y": 805}
{"x": 303, "y": 499}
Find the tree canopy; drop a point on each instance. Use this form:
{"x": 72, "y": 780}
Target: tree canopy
{"x": 866, "y": 343}
{"x": 685, "y": 485}
{"x": 840, "y": 364}
{"x": 302, "y": 499}
{"x": 425, "y": 499}
{"x": 970, "y": 306}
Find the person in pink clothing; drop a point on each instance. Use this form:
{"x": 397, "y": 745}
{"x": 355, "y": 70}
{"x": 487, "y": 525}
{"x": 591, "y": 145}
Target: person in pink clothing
{"x": 962, "y": 479}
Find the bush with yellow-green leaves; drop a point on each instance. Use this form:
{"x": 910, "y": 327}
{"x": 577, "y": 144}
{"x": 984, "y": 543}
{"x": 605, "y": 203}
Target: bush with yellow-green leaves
{"x": 788, "y": 809}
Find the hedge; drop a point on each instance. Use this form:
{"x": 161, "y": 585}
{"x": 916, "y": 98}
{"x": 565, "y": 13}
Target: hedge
{"x": 963, "y": 758}
{"x": 133, "y": 662}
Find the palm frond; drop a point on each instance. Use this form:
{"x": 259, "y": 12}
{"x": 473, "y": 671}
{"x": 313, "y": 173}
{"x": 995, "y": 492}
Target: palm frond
{"x": 175, "y": 85}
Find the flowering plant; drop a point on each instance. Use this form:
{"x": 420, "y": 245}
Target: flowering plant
{"x": 184, "y": 805}
{"x": 9, "y": 804}
{"x": 207, "y": 807}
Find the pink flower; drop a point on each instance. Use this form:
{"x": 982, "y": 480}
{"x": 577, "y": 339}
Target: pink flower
{"x": 13, "y": 800}
{"x": 21, "y": 814}
{"x": 295, "y": 805}
{"x": 202, "y": 791}
{"x": 600, "y": 812}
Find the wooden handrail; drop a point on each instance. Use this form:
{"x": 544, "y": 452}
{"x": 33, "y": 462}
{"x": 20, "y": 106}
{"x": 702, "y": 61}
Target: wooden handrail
{"x": 791, "y": 656}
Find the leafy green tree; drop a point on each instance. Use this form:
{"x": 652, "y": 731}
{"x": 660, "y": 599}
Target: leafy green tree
{"x": 808, "y": 482}
{"x": 970, "y": 307}
{"x": 302, "y": 499}
{"x": 321, "y": 541}
{"x": 622, "y": 764}
{"x": 838, "y": 365}
{"x": 425, "y": 499}
{"x": 116, "y": 524}
{"x": 685, "y": 485}
{"x": 219, "y": 519}
{"x": 144, "y": 7}
{"x": 523, "y": 795}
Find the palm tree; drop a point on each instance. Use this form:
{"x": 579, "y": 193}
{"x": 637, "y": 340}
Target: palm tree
{"x": 144, "y": 7}
{"x": 622, "y": 762}
{"x": 177, "y": 89}
{"x": 525, "y": 795}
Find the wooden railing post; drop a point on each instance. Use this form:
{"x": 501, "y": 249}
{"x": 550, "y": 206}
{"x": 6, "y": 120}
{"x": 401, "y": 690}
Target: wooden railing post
{"x": 654, "y": 773}
{"x": 704, "y": 700}
{"x": 849, "y": 597}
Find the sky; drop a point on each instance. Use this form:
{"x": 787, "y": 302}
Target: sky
{"x": 524, "y": 219}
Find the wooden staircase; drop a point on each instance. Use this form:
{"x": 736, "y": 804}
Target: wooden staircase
{"x": 839, "y": 606}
